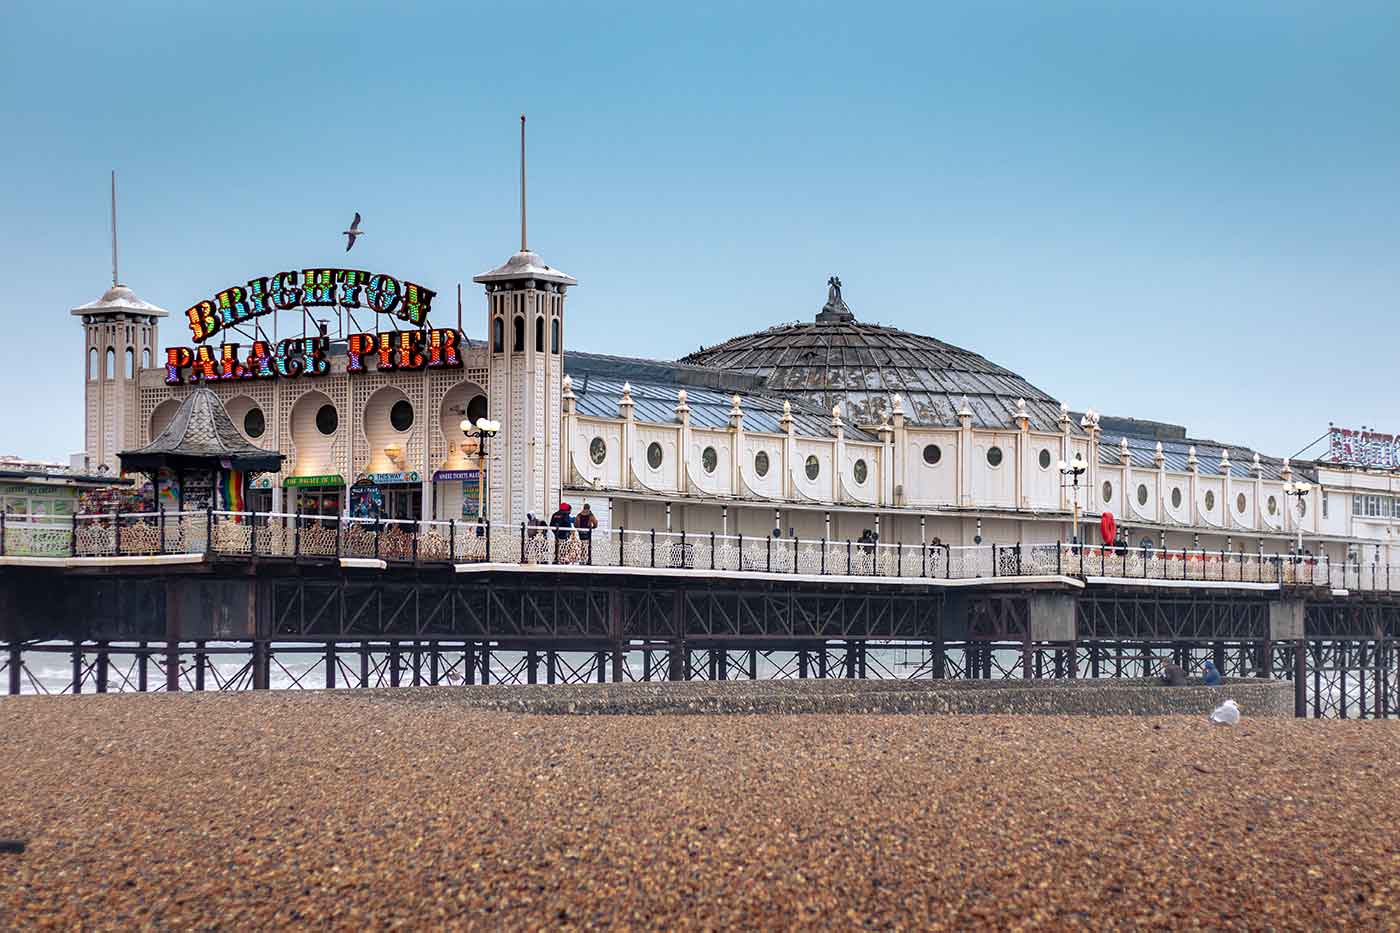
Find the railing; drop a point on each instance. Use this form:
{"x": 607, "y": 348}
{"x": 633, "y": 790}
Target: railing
{"x": 302, "y": 536}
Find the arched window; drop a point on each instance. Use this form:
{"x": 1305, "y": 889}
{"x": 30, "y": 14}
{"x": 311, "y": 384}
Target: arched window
{"x": 539, "y": 334}
{"x": 130, "y": 363}
{"x": 146, "y": 358}
{"x": 518, "y": 344}
{"x": 498, "y": 336}
{"x": 92, "y": 363}
{"x": 111, "y": 363}
{"x": 554, "y": 336}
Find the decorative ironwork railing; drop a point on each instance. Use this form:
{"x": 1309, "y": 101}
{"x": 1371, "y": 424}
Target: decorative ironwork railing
{"x": 286, "y": 535}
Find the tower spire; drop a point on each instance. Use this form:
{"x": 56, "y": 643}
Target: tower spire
{"x": 523, "y": 247}
{"x": 114, "y": 228}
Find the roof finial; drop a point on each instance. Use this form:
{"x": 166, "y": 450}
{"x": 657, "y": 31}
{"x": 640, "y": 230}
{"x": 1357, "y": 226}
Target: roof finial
{"x": 115, "y": 281}
{"x": 523, "y": 247}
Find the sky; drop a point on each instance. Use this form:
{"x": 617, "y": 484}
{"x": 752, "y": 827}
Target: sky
{"x": 1186, "y": 212}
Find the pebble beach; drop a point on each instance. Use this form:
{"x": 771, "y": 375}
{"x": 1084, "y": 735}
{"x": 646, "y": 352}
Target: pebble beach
{"x": 358, "y": 809}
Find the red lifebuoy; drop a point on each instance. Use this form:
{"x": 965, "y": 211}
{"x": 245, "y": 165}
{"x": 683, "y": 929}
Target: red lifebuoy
{"x": 1107, "y": 527}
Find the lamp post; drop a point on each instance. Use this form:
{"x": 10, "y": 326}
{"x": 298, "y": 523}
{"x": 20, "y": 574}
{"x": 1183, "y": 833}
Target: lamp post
{"x": 1073, "y": 471}
{"x": 1298, "y": 491}
{"x": 483, "y": 430}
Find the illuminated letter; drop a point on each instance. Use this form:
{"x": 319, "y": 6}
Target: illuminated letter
{"x": 382, "y": 294}
{"x": 417, "y": 301}
{"x": 314, "y": 350}
{"x": 410, "y": 349}
{"x": 260, "y": 360}
{"x": 351, "y": 281}
{"x": 176, "y": 359}
{"x": 232, "y": 306}
{"x": 256, "y": 296}
{"x": 387, "y": 356}
{"x": 204, "y": 366}
{"x": 442, "y": 348}
{"x": 204, "y": 320}
{"x": 357, "y": 347}
{"x": 288, "y": 364}
{"x": 317, "y": 287}
{"x": 285, "y": 293}
{"x": 229, "y": 365}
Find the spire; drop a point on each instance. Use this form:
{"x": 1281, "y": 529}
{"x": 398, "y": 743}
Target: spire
{"x": 115, "y": 280}
{"x": 523, "y": 247}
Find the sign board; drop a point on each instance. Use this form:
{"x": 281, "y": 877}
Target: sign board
{"x": 390, "y": 479}
{"x": 325, "y": 479}
{"x": 471, "y": 494}
{"x": 449, "y": 476}
{"x": 310, "y": 356}
{"x": 1367, "y": 449}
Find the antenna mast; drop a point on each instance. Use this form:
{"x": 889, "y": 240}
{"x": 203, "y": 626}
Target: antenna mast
{"x": 114, "y": 228}
{"x": 523, "y": 247}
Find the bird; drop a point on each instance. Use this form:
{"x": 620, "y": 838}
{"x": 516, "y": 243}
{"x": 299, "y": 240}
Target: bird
{"x": 1212, "y": 677}
{"x": 353, "y": 232}
{"x": 1226, "y": 714}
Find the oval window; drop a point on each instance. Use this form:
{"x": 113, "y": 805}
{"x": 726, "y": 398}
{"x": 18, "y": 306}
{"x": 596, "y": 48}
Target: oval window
{"x": 1045, "y": 459}
{"x": 476, "y": 409}
{"x": 813, "y": 466}
{"x": 597, "y": 450}
{"x": 254, "y": 424}
{"x": 1273, "y": 505}
{"x": 401, "y": 415}
{"x": 932, "y": 454}
{"x": 1210, "y": 500}
{"x": 1241, "y": 503}
{"x": 1176, "y": 497}
{"x": 327, "y": 420}
{"x": 1107, "y": 491}
{"x": 709, "y": 459}
{"x": 861, "y": 471}
{"x": 760, "y": 463}
{"x": 994, "y": 456}
{"x": 654, "y": 455}
{"x": 1142, "y": 494}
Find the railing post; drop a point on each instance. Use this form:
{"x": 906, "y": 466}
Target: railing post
{"x": 947, "y": 562}
{"x": 2, "y": 532}
{"x": 413, "y": 546}
{"x": 996, "y": 561}
{"x": 160, "y": 517}
{"x": 823, "y": 557}
{"x": 296, "y": 533}
{"x": 488, "y": 541}
{"x": 848, "y": 557}
{"x": 452, "y": 540}
{"x": 339, "y": 545}
{"x": 73, "y": 541}
{"x": 209, "y": 529}
{"x": 522, "y": 542}
{"x": 116, "y": 534}
{"x": 377, "y": 529}
{"x": 653, "y": 549}
{"x": 741, "y": 548}
{"x": 899, "y": 558}
{"x": 683, "y": 560}
{"x": 1018, "y": 558}
{"x": 1060, "y": 558}
{"x": 712, "y": 550}
{"x": 621, "y": 543}
{"x": 770, "y": 554}
{"x": 794, "y": 554}
{"x": 253, "y": 532}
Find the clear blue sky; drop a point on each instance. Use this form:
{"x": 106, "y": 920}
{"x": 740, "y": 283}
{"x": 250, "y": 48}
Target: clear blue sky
{"x": 1188, "y": 212}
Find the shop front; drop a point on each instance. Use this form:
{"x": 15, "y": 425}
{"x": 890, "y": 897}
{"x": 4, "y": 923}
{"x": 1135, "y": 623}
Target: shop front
{"x": 311, "y": 496}
{"x": 397, "y": 496}
{"x": 457, "y": 494}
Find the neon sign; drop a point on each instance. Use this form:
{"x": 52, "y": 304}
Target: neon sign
{"x": 1364, "y": 448}
{"x": 311, "y": 288}
{"x": 310, "y": 356}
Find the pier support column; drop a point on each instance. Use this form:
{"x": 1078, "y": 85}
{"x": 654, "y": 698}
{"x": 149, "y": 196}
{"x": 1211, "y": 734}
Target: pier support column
{"x": 675, "y": 662}
{"x": 434, "y": 663}
{"x": 77, "y": 668}
{"x": 469, "y": 664}
{"x": 802, "y": 663}
{"x": 417, "y": 659}
{"x": 532, "y": 666}
{"x": 1287, "y": 619}
{"x": 822, "y": 661}
{"x": 172, "y": 667}
{"x": 142, "y": 663}
{"x": 600, "y": 666}
{"x": 330, "y": 665}
{"x": 646, "y": 664}
{"x": 1051, "y": 617}
{"x": 394, "y": 660}
{"x": 850, "y": 660}
{"x": 14, "y": 669}
{"x": 485, "y": 664}
{"x": 364, "y": 664}
{"x": 551, "y": 666}
{"x": 201, "y": 664}
{"x": 103, "y": 660}
{"x": 617, "y": 665}
{"x": 262, "y": 665}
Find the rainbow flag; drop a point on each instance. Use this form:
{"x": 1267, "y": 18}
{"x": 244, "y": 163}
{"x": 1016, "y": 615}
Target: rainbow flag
{"x": 231, "y": 491}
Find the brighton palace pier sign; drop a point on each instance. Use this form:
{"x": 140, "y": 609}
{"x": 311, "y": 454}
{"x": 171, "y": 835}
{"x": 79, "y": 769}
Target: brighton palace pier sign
{"x": 308, "y": 356}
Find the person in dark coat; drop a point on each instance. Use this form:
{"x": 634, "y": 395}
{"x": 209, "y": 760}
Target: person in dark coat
{"x": 562, "y": 520}
{"x": 1212, "y": 678}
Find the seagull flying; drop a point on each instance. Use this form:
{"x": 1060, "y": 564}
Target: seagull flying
{"x": 1226, "y": 714}
{"x": 353, "y": 232}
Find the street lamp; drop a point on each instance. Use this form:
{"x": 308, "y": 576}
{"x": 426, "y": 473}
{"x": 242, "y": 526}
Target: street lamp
{"x": 483, "y": 430}
{"x": 1298, "y": 490}
{"x": 1073, "y": 470}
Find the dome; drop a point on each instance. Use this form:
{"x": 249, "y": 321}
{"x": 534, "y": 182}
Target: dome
{"x": 837, "y": 359}
{"x": 119, "y": 298}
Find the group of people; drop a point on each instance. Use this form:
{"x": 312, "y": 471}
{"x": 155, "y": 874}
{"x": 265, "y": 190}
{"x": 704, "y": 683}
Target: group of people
{"x": 565, "y": 525}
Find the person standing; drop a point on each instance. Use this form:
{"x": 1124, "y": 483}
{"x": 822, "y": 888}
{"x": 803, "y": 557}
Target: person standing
{"x": 585, "y": 523}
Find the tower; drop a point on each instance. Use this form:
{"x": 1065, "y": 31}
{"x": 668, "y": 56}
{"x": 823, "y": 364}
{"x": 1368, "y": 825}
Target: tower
{"x": 119, "y": 340}
{"x": 525, "y": 370}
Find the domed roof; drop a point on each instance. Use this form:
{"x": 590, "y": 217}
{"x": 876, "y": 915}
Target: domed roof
{"x": 837, "y": 359}
{"x": 122, "y": 299}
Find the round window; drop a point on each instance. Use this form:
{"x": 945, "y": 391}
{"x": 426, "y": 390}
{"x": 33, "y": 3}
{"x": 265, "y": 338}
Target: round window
{"x": 709, "y": 459}
{"x": 1107, "y": 491}
{"x": 932, "y": 454}
{"x": 1045, "y": 459}
{"x": 994, "y": 456}
{"x": 326, "y": 419}
{"x": 1176, "y": 497}
{"x": 861, "y": 471}
{"x": 597, "y": 450}
{"x": 1210, "y": 500}
{"x": 401, "y": 415}
{"x": 654, "y": 455}
{"x": 760, "y": 463}
{"x": 1241, "y": 503}
{"x": 813, "y": 466}
{"x": 254, "y": 424}
{"x": 1272, "y": 505}
{"x": 476, "y": 409}
{"x": 1142, "y": 494}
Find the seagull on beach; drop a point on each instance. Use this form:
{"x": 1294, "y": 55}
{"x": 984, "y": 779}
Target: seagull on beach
{"x": 353, "y": 232}
{"x": 1226, "y": 714}
{"x": 1212, "y": 677}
